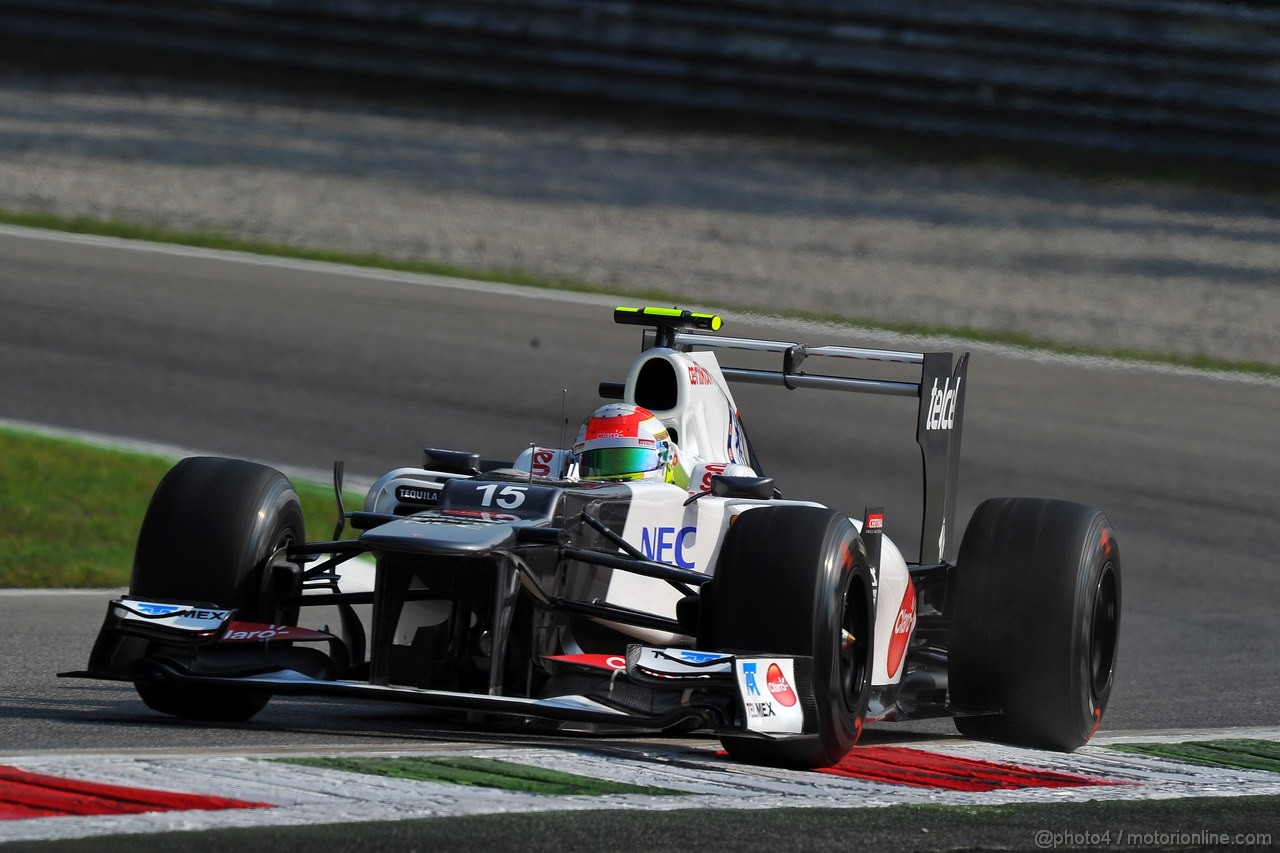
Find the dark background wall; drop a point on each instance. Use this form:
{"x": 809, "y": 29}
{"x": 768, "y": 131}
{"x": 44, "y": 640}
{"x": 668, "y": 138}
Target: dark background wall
{"x": 1158, "y": 77}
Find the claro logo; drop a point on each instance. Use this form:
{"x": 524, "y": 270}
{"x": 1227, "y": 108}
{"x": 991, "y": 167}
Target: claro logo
{"x": 902, "y": 627}
{"x": 779, "y": 689}
{"x": 942, "y": 405}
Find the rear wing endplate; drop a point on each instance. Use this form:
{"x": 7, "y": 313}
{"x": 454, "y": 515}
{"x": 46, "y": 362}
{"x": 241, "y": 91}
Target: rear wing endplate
{"x": 940, "y": 392}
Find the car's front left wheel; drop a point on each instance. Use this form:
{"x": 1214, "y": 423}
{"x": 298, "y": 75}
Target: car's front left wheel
{"x": 794, "y": 581}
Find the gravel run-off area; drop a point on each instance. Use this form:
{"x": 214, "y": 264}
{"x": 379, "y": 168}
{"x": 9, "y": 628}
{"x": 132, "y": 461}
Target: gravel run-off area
{"x": 768, "y": 222}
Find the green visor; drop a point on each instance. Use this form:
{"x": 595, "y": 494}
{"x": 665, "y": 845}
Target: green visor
{"x": 612, "y": 463}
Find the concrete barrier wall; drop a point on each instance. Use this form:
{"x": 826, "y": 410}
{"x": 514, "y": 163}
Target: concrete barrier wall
{"x": 1158, "y": 77}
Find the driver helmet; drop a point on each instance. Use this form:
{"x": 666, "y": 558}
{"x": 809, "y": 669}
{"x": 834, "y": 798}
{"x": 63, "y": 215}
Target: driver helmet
{"x": 623, "y": 442}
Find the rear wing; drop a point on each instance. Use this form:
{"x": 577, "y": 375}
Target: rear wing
{"x": 940, "y": 392}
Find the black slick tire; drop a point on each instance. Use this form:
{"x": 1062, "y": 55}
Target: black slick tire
{"x": 1034, "y": 606}
{"x": 210, "y": 530}
{"x": 794, "y": 581}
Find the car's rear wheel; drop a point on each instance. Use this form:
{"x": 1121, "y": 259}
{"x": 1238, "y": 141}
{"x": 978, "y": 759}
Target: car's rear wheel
{"x": 1034, "y": 604}
{"x": 211, "y": 529}
{"x": 793, "y": 581}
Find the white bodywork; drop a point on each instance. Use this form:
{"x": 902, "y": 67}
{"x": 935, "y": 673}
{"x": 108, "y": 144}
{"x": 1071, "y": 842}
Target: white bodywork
{"x": 690, "y": 537}
{"x": 702, "y": 415}
{"x": 705, "y": 418}
{"x": 665, "y": 526}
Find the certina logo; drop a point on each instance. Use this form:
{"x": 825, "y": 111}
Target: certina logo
{"x": 779, "y": 688}
{"x": 669, "y": 545}
{"x": 942, "y": 405}
{"x": 218, "y": 615}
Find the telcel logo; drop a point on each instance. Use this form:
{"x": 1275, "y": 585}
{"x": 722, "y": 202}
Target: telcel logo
{"x": 942, "y": 405}
{"x": 177, "y": 611}
{"x": 698, "y": 657}
{"x": 209, "y": 614}
{"x": 668, "y": 545}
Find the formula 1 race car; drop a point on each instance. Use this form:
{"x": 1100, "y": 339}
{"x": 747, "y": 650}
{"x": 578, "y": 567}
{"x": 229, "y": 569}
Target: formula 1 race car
{"x": 649, "y": 576}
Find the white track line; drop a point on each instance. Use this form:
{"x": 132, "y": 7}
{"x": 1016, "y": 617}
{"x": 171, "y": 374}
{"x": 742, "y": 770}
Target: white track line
{"x": 307, "y": 795}
{"x": 357, "y": 482}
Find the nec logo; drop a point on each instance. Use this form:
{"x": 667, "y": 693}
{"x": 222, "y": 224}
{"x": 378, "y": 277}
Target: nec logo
{"x": 668, "y": 545}
{"x": 942, "y": 405}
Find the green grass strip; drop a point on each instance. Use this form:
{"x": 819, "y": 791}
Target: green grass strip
{"x": 217, "y": 240}
{"x": 481, "y": 773}
{"x": 1241, "y": 753}
{"x": 73, "y": 511}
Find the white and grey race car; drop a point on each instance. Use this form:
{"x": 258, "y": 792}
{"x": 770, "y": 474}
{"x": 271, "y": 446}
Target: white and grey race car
{"x": 523, "y": 591}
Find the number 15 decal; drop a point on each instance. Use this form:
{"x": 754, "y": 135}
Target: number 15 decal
{"x": 507, "y": 497}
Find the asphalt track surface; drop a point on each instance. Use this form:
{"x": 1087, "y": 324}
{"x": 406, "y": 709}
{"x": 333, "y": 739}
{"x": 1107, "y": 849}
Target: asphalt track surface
{"x": 1070, "y": 826}
{"x": 299, "y": 364}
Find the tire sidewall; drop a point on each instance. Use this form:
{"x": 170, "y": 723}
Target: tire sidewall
{"x": 1023, "y": 601}
{"x": 847, "y": 580}
{"x": 209, "y": 531}
{"x": 212, "y": 526}
{"x": 280, "y": 525}
{"x": 1098, "y": 566}
{"x": 782, "y": 582}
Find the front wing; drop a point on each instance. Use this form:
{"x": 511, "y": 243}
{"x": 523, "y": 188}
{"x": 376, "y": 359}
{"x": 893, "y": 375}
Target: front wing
{"x": 746, "y": 695}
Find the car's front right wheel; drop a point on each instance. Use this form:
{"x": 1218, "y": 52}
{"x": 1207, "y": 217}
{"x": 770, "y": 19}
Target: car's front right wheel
{"x": 210, "y": 530}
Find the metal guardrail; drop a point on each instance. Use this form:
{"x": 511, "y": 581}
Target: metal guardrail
{"x": 1159, "y": 77}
